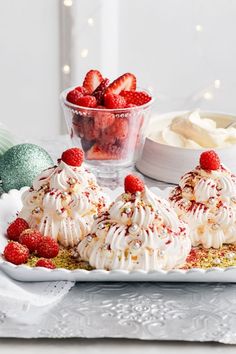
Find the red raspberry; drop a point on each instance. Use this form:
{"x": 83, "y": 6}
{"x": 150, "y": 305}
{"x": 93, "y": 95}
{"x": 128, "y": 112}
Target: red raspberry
{"x": 74, "y": 96}
{"x": 82, "y": 90}
{"x": 120, "y": 128}
{"x": 73, "y": 157}
{"x": 48, "y": 247}
{"x": 31, "y": 239}
{"x": 16, "y": 228}
{"x": 46, "y": 263}
{"x": 113, "y": 101}
{"x": 87, "y": 101}
{"x": 133, "y": 184}
{"x": 16, "y": 253}
{"x": 209, "y": 160}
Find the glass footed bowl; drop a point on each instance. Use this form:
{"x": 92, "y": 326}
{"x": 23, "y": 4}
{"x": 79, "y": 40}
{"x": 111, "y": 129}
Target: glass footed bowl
{"x": 112, "y": 139}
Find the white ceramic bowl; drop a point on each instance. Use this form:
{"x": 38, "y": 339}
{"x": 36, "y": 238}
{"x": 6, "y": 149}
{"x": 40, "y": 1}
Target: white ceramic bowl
{"x": 168, "y": 163}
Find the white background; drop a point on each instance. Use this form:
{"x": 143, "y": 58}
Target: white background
{"x": 30, "y": 66}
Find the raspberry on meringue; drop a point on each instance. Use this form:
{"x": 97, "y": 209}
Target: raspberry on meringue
{"x": 206, "y": 200}
{"x": 63, "y": 201}
{"x": 139, "y": 231}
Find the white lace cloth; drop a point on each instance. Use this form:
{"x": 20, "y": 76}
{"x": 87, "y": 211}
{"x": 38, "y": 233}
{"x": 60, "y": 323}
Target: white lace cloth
{"x": 27, "y": 302}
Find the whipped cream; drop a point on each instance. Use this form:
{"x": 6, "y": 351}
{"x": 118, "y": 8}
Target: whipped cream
{"x": 194, "y": 131}
{"x": 138, "y": 231}
{"x": 62, "y": 203}
{"x": 206, "y": 200}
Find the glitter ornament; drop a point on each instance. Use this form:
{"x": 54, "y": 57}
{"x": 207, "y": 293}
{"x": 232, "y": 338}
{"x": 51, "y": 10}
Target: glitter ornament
{"x": 21, "y": 164}
{"x": 7, "y": 140}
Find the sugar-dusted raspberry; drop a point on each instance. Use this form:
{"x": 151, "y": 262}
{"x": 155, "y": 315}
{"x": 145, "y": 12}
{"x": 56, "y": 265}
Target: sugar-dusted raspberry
{"x": 48, "y": 247}
{"x": 133, "y": 184}
{"x": 209, "y": 160}
{"x": 31, "y": 239}
{"x": 45, "y": 263}
{"x": 113, "y": 101}
{"x": 16, "y": 253}
{"x": 16, "y": 228}
{"x": 73, "y": 157}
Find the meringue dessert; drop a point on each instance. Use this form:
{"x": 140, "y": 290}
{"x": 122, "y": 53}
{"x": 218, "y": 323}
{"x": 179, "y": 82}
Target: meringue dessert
{"x": 206, "y": 199}
{"x": 139, "y": 231}
{"x": 63, "y": 200}
{"x": 194, "y": 130}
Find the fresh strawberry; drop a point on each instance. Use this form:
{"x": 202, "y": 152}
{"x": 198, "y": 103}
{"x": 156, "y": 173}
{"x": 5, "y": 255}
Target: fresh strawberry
{"x": 16, "y": 253}
{"x": 98, "y": 153}
{"x": 73, "y": 157}
{"x": 209, "y": 160}
{"x": 82, "y": 90}
{"x": 137, "y": 98}
{"x": 113, "y": 101}
{"x": 133, "y": 184}
{"x": 30, "y": 238}
{"x": 87, "y": 101}
{"x": 45, "y": 263}
{"x": 73, "y": 96}
{"x": 119, "y": 128}
{"x": 100, "y": 90}
{"x": 103, "y": 120}
{"x": 48, "y": 247}
{"x": 92, "y": 80}
{"x": 124, "y": 82}
{"x": 16, "y": 228}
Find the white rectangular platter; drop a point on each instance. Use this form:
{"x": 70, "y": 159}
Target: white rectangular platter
{"x": 11, "y": 203}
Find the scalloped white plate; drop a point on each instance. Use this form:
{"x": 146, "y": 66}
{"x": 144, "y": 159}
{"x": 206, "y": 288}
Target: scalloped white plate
{"x": 10, "y": 204}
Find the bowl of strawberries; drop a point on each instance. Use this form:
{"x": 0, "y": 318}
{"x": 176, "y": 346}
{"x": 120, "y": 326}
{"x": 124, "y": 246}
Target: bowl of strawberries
{"x": 107, "y": 120}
